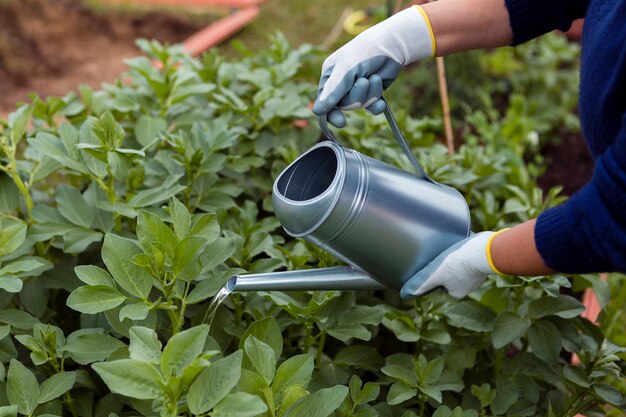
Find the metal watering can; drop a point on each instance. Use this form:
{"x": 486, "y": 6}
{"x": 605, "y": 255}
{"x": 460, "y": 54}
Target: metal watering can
{"x": 384, "y": 222}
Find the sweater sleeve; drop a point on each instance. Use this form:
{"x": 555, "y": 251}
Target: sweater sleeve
{"x": 588, "y": 232}
{"x": 531, "y": 18}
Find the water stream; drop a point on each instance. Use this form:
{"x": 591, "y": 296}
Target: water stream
{"x": 218, "y": 299}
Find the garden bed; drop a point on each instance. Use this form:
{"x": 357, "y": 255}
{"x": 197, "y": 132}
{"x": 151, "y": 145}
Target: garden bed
{"x": 51, "y": 47}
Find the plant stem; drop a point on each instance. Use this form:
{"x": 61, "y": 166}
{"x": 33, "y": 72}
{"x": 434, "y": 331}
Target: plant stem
{"x": 572, "y": 404}
{"x": 183, "y": 306}
{"x": 308, "y": 337}
{"x": 69, "y": 401}
{"x": 320, "y": 350}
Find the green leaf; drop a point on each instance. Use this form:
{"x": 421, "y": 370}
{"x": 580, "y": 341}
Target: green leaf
{"x": 577, "y": 375}
{"x": 182, "y": 349}
{"x": 181, "y": 219}
{"x": 206, "y": 226}
{"x": 151, "y": 229}
{"x": 290, "y": 395}
{"x": 43, "y": 169}
{"x": 607, "y": 393}
{"x": 8, "y": 411}
{"x": 117, "y": 207}
{"x": 131, "y": 378}
{"x": 365, "y": 357}
{"x": 400, "y": 392}
{"x": 240, "y": 404}
{"x": 266, "y": 330}
{"x": 73, "y": 207}
{"x": 562, "y": 306}
{"x": 433, "y": 370}
{"x": 18, "y": 318}
{"x": 26, "y": 266}
{"x": 432, "y": 392}
{"x": 187, "y": 265}
{"x": 93, "y": 275}
{"x": 93, "y": 299}
{"x": 369, "y": 393}
{"x": 69, "y": 137}
{"x": 52, "y": 147}
{"x": 320, "y": 403}
{"x": 18, "y": 122}
{"x": 472, "y": 316}
{"x": 117, "y": 253}
{"x": 296, "y": 370}
{"x": 507, "y": 328}
{"x": 217, "y": 252}
{"x": 55, "y": 386}
{"x": 147, "y": 129}
{"x": 90, "y": 345}
{"x": 22, "y": 388}
{"x": 144, "y": 345}
{"x": 545, "y": 340}
{"x": 11, "y": 283}
{"x": 9, "y": 194}
{"x": 12, "y": 235}
{"x": 261, "y": 357}
{"x": 251, "y": 382}
{"x": 135, "y": 311}
{"x": 221, "y": 376}
{"x": 77, "y": 239}
{"x": 152, "y": 196}
{"x": 401, "y": 373}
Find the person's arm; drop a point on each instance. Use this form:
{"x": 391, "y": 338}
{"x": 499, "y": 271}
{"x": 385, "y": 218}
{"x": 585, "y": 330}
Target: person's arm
{"x": 461, "y": 25}
{"x": 588, "y": 232}
{"x": 514, "y": 252}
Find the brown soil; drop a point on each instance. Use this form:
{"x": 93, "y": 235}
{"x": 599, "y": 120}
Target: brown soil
{"x": 569, "y": 164}
{"x": 52, "y": 46}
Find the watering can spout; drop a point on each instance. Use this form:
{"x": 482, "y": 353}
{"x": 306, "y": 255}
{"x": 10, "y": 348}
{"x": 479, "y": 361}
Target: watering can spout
{"x": 323, "y": 279}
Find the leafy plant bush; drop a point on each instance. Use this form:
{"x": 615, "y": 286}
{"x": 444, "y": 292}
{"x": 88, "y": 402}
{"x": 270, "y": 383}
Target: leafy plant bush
{"x": 124, "y": 210}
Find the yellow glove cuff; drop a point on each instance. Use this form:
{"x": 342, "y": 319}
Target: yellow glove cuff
{"x": 488, "y": 250}
{"x": 430, "y": 28}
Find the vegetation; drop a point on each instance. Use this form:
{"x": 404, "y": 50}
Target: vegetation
{"x": 123, "y": 211}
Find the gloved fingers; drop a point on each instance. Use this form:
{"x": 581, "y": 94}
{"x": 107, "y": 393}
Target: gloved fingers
{"x": 423, "y": 281}
{"x": 336, "y": 118}
{"x": 388, "y": 72}
{"x": 357, "y": 96}
{"x": 335, "y": 83}
{"x": 432, "y": 275}
{"x": 375, "y": 91}
{"x": 377, "y": 107}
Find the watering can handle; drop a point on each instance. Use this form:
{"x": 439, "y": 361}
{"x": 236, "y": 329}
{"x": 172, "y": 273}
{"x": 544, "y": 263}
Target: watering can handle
{"x": 396, "y": 133}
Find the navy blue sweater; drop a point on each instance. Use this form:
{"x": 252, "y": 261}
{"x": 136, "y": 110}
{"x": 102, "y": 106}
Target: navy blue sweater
{"x": 588, "y": 232}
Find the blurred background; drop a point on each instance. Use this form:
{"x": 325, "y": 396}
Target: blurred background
{"x": 52, "y": 46}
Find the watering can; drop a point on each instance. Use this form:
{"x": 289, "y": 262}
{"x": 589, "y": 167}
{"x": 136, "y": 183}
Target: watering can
{"x": 383, "y": 222}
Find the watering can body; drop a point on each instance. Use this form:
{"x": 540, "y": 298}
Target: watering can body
{"x": 384, "y": 222}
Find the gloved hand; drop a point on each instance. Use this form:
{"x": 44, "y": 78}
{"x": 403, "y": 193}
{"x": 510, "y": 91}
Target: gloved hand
{"x": 460, "y": 269}
{"x": 355, "y": 75}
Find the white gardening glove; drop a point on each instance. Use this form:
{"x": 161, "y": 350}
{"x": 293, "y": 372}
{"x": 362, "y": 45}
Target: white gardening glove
{"x": 460, "y": 269}
{"x": 355, "y": 75}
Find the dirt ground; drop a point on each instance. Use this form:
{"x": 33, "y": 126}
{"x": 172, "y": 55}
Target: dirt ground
{"x": 52, "y": 46}
{"x": 569, "y": 164}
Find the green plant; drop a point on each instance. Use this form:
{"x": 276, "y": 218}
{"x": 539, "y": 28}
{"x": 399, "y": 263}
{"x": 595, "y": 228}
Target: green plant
{"x": 124, "y": 210}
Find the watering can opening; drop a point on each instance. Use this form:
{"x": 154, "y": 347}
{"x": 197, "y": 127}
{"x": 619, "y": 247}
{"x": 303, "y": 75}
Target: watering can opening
{"x": 310, "y": 176}
{"x": 306, "y": 192}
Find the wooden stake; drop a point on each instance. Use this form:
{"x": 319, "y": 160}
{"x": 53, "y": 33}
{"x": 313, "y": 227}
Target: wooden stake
{"x": 334, "y": 34}
{"x": 445, "y": 104}
{"x": 443, "y": 93}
